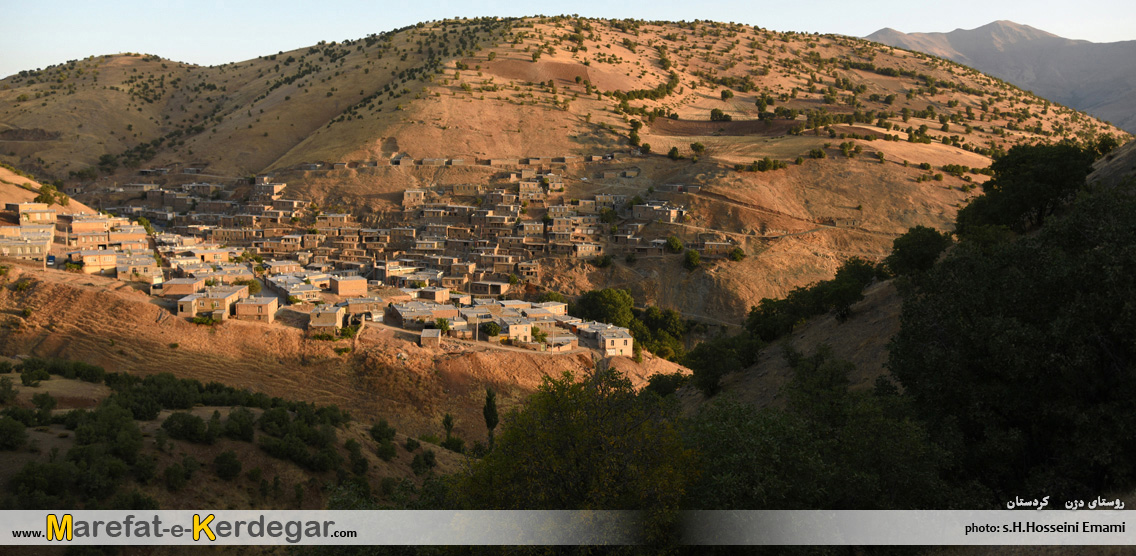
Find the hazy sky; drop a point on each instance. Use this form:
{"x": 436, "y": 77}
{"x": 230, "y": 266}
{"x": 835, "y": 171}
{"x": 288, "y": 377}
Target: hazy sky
{"x": 40, "y": 33}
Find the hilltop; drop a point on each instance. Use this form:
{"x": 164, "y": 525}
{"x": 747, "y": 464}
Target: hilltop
{"x": 1095, "y": 77}
{"x": 471, "y": 88}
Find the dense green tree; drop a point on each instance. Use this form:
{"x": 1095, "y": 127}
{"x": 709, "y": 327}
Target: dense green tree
{"x": 691, "y": 260}
{"x": 915, "y": 252}
{"x": 613, "y": 306}
{"x": 490, "y": 328}
{"x": 241, "y": 424}
{"x": 589, "y": 443}
{"x": 829, "y": 449}
{"x": 145, "y": 223}
{"x": 12, "y": 434}
{"x": 712, "y": 359}
{"x": 7, "y": 391}
{"x": 227, "y": 465}
{"x": 448, "y": 424}
{"x": 1029, "y": 183}
{"x": 1019, "y": 354}
{"x": 489, "y": 411}
{"x": 186, "y": 426}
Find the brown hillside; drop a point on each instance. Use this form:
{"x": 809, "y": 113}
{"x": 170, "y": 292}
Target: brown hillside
{"x": 861, "y": 340}
{"x": 208, "y": 490}
{"x": 109, "y": 323}
{"x": 336, "y": 101}
{"x": 15, "y": 188}
{"x": 480, "y": 89}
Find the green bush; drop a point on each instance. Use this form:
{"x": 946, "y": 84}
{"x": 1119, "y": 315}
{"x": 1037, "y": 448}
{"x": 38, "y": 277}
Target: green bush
{"x": 240, "y": 425}
{"x": 382, "y": 432}
{"x": 175, "y": 477}
{"x": 7, "y": 391}
{"x": 423, "y": 462}
{"x": 411, "y": 444}
{"x": 32, "y": 377}
{"x": 12, "y": 434}
{"x": 227, "y": 465}
{"x": 188, "y": 427}
{"x": 691, "y": 260}
{"x": 359, "y": 463}
{"x": 454, "y": 444}
{"x": 386, "y": 450}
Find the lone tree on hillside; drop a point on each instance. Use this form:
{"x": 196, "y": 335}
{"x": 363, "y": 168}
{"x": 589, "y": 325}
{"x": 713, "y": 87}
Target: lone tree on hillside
{"x": 448, "y": 424}
{"x": 716, "y": 115}
{"x": 698, "y": 148}
{"x": 490, "y": 413}
{"x": 727, "y": 94}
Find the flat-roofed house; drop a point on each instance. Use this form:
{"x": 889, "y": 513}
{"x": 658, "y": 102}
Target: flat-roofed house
{"x": 211, "y": 255}
{"x": 95, "y": 261}
{"x": 413, "y": 197}
{"x": 282, "y": 267}
{"x": 179, "y": 287}
{"x": 261, "y": 309}
{"x": 516, "y": 328}
{"x": 215, "y": 302}
{"x": 327, "y": 318}
{"x": 437, "y": 295}
{"x": 349, "y": 286}
{"x": 488, "y": 287}
{"x": 616, "y": 341}
{"x": 374, "y": 306}
{"x": 431, "y": 337}
{"x": 37, "y": 216}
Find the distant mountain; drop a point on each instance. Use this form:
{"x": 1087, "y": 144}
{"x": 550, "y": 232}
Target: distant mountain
{"x": 1098, "y": 78}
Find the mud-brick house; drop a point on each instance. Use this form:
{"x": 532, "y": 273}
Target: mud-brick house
{"x": 262, "y": 309}
{"x": 431, "y": 337}
{"x": 327, "y": 318}
{"x": 349, "y": 286}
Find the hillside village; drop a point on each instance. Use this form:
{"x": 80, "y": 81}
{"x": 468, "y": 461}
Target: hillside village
{"x": 454, "y": 266}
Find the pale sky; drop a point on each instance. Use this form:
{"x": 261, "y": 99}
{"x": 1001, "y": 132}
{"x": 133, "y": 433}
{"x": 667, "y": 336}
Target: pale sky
{"x": 36, "y": 34}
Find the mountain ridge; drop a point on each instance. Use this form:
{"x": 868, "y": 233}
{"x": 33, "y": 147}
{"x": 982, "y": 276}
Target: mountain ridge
{"x": 1096, "y": 77}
